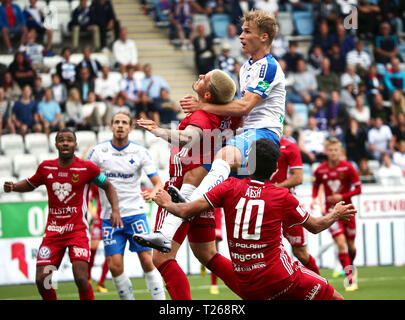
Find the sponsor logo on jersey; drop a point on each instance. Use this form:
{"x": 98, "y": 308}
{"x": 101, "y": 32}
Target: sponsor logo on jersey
{"x": 63, "y": 211}
{"x": 75, "y": 177}
{"x": 61, "y": 190}
{"x": 119, "y": 175}
{"x": 44, "y": 253}
{"x": 62, "y": 174}
{"x": 80, "y": 252}
{"x": 247, "y": 257}
{"x": 263, "y": 85}
{"x": 60, "y": 229}
{"x": 310, "y": 295}
{"x": 50, "y": 176}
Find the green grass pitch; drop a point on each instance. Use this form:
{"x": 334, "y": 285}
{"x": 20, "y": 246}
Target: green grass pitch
{"x": 375, "y": 283}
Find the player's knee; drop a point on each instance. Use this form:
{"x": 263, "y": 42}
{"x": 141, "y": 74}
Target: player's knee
{"x": 204, "y": 255}
{"x": 81, "y": 281}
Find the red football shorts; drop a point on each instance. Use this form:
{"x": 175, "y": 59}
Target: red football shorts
{"x": 348, "y": 228}
{"x": 200, "y": 229}
{"x": 52, "y": 250}
{"x": 296, "y": 236}
{"x": 96, "y": 230}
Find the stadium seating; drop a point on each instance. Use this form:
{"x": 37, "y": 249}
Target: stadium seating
{"x": 137, "y": 136}
{"x": 85, "y": 140}
{"x": 161, "y": 13}
{"x": 219, "y": 23}
{"x": 6, "y": 166}
{"x": 24, "y": 164}
{"x": 12, "y": 144}
{"x": 150, "y": 139}
{"x": 36, "y": 143}
{"x": 160, "y": 153}
{"x": 46, "y": 156}
{"x": 285, "y": 22}
{"x": 303, "y": 22}
{"x": 33, "y": 196}
{"x": 10, "y": 197}
{"x": 104, "y": 135}
{"x": 302, "y": 110}
{"x": 202, "y": 19}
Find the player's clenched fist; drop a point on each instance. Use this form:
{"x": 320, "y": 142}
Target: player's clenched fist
{"x": 8, "y": 186}
{"x": 162, "y": 198}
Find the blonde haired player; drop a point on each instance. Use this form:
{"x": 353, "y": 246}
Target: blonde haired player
{"x": 338, "y": 177}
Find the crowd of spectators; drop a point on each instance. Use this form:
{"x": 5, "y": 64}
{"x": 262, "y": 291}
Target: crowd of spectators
{"x": 344, "y": 82}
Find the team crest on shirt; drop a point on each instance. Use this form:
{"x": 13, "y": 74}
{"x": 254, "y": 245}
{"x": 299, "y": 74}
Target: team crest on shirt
{"x": 341, "y": 175}
{"x": 75, "y": 177}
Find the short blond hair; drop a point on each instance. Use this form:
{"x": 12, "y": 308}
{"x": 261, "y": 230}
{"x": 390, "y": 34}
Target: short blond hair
{"x": 221, "y": 87}
{"x": 332, "y": 141}
{"x": 265, "y": 23}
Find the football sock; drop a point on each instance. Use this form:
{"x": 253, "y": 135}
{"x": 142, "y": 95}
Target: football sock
{"x": 223, "y": 268}
{"x": 220, "y": 171}
{"x": 214, "y": 279}
{"x": 311, "y": 264}
{"x": 124, "y": 287}
{"x": 91, "y": 262}
{"x": 87, "y": 294}
{"x": 49, "y": 294}
{"x": 352, "y": 255}
{"x": 104, "y": 272}
{"x": 154, "y": 283}
{"x": 345, "y": 262}
{"x": 176, "y": 280}
{"x": 171, "y": 222}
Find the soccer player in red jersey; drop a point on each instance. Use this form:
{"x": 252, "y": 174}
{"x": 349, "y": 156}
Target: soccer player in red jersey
{"x": 289, "y": 175}
{"x": 67, "y": 180}
{"x": 191, "y": 148}
{"x": 96, "y": 236}
{"x": 255, "y": 212}
{"x": 338, "y": 177}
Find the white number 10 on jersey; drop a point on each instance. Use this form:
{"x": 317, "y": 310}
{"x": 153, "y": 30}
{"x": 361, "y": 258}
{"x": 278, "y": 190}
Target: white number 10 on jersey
{"x": 240, "y": 208}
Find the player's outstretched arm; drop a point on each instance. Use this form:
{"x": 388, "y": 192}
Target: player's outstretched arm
{"x": 182, "y": 210}
{"x": 113, "y": 199}
{"x": 157, "y": 185}
{"x": 240, "y": 107}
{"x": 340, "y": 212}
{"x": 20, "y": 186}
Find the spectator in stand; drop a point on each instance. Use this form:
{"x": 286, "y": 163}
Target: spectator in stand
{"x": 125, "y": 52}
{"x": 34, "y": 52}
{"x": 151, "y": 87}
{"x": 328, "y": 81}
{"x": 88, "y": 62}
{"x": 366, "y": 176}
{"x": 130, "y": 89}
{"x": 367, "y": 19}
{"x": 21, "y": 70}
{"x": 292, "y": 118}
{"x": 359, "y": 58}
{"x": 389, "y": 174}
{"x": 66, "y": 70}
{"x": 5, "y": 114}
{"x": 394, "y": 77}
{"x": 204, "y": 51}
{"x": 338, "y": 117}
{"x": 398, "y": 131}
{"x": 320, "y": 113}
{"x": 343, "y": 39}
{"x": 355, "y": 141}
{"x": 102, "y": 14}
{"x": 38, "y": 90}
{"x": 379, "y": 110}
{"x": 239, "y": 7}
{"x": 292, "y": 56}
{"x": 81, "y": 22}
{"x": 105, "y": 87}
{"x": 379, "y": 139}
{"x": 311, "y": 142}
{"x": 386, "y": 45}
{"x": 328, "y": 11}
{"x": 50, "y": 113}
{"x": 11, "y": 88}
{"x": 234, "y": 42}
{"x": 269, "y": 6}
{"x": 391, "y": 14}
{"x": 225, "y": 61}
{"x": 279, "y": 46}
{"x": 24, "y": 114}
{"x": 98, "y": 114}
{"x": 398, "y": 158}
{"x": 347, "y": 95}
{"x": 85, "y": 83}
{"x": 35, "y": 21}
{"x": 350, "y": 76}
{"x": 59, "y": 91}
{"x": 181, "y": 19}
{"x": 322, "y": 38}
{"x": 169, "y": 108}
{"x": 397, "y": 105}
{"x": 360, "y": 112}
{"x": 337, "y": 60}
{"x": 119, "y": 105}
{"x": 305, "y": 84}
{"x": 74, "y": 116}
{"x": 374, "y": 82}
{"x": 12, "y": 22}
{"x": 315, "y": 59}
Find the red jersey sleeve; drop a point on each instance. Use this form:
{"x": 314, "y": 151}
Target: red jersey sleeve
{"x": 37, "y": 179}
{"x": 355, "y": 181}
{"x": 315, "y": 185}
{"x": 294, "y": 156}
{"x": 218, "y": 194}
{"x": 204, "y": 120}
{"x": 94, "y": 171}
{"x": 293, "y": 213}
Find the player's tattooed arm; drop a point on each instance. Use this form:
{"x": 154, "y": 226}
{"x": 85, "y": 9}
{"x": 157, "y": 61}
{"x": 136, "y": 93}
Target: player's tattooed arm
{"x": 182, "y": 138}
{"x": 20, "y": 186}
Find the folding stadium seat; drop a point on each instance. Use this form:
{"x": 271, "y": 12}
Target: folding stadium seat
{"x": 51, "y": 139}
{"x": 12, "y": 144}
{"x": 285, "y": 21}
{"x": 104, "y": 135}
{"x": 75, "y": 58}
{"x": 51, "y": 62}
{"x": 10, "y": 197}
{"x": 302, "y": 110}
{"x": 33, "y": 196}
{"x": 24, "y": 164}
{"x": 304, "y": 23}
{"x": 6, "y": 167}
{"x": 6, "y": 59}
{"x": 115, "y": 75}
{"x": 203, "y": 19}
{"x": 150, "y": 139}
{"x": 102, "y": 58}
{"x": 160, "y": 153}
{"x": 46, "y": 79}
{"x": 220, "y": 23}
{"x": 46, "y": 156}
{"x": 86, "y": 139}
{"x": 36, "y": 143}
{"x": 137, "y": 135}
